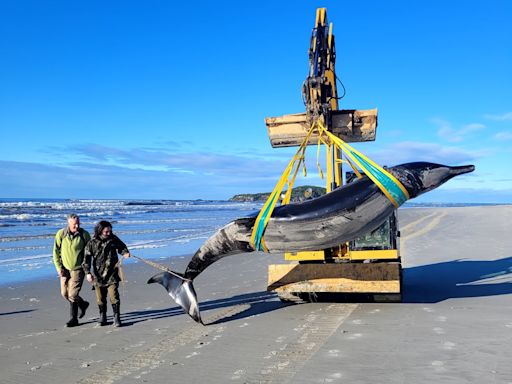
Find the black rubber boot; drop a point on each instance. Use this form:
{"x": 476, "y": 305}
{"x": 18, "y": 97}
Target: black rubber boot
{"x": 103, "y": 314}
{"x": 83, "y": 305}
{"x": 73, "y": 312}
{"x": 117, "y": 315}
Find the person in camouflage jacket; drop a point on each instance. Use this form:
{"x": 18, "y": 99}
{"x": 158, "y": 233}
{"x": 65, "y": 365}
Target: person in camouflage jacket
{"x": 102, "y": 270}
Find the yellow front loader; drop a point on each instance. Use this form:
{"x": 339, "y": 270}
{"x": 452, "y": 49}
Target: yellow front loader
{"x": 369, "y": 265}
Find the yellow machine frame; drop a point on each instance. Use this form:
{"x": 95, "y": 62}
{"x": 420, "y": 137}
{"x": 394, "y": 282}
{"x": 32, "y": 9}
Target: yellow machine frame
{"x": 339, "y": 269}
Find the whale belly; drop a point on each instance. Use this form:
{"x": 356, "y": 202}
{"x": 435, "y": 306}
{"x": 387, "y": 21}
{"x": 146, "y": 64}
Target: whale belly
{"x": 326, "y": 229}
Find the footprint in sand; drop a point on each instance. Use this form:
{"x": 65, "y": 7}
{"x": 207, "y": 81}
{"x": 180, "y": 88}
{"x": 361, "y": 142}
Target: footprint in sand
{"x": 448, "y": 345}
{"x": 441, "y": 318}
{"x": 36, "y": 367}
{"x": 86, "y": 364}
{"x": 88, "y": 347}
{"x": 144, "y": 373}
{"x": 332, "y": 377}
{"x": 34, "y": 334}
{"x": 429, "y": 310}
{"x": 439, "y": 331}
{"x": 202, "y": 344}
{"x": 280, "y": 339}
{"x": 355, "y": 336}
{"x": 438, "y": 366}
{"x": 333, "y": 353}
{"x": 238, "y": 374}
{"x": 140, "y": 344}
{"x": 302, "y": 339}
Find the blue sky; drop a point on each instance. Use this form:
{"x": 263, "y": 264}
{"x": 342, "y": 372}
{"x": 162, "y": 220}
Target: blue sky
{"x": 159, "y": 99}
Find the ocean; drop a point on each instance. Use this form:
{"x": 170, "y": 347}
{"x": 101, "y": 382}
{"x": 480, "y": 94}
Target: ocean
{"x": 152, "y": 229}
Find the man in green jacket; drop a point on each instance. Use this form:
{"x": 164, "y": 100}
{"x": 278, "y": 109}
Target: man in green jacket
{"x": 68, "y": 256}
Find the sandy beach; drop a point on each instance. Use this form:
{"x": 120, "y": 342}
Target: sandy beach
{"x": 454, "y": 325}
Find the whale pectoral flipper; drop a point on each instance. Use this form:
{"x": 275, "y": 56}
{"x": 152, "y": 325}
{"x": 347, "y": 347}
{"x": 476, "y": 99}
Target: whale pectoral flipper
{"x": 181, "y": 291}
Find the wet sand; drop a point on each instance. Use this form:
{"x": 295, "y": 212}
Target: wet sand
{"x": 454, "y": 326}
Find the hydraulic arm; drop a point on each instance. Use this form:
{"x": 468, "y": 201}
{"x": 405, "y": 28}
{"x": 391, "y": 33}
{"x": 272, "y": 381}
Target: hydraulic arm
{"x": 319, "y": 89}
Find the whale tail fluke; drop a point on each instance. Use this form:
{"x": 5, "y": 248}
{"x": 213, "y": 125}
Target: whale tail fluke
{"x": 181, "y": 291}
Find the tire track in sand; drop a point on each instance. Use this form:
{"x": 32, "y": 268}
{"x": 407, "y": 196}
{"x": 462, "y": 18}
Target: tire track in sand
{"x": 280, "y": 366}
{"x": 151, "y": 358}
{"x": 435, "y": 218}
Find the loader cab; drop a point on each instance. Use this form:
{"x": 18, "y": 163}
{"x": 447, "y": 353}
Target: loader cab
{"x": 382, "y": 238}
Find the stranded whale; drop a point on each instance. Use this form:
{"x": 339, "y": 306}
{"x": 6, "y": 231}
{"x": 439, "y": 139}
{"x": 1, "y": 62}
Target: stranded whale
{"x": 324, "y": 222}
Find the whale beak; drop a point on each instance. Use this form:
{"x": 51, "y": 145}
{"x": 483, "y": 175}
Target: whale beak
{"x": 455, "y": 171}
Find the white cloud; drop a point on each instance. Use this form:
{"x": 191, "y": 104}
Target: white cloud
{"x": 447, "y": 132}
{"x": 472, "y": 128}
{"x": 192, "y": 162}
{"x": 98, "y": 179}
{"x": 504, "y": 117}
{"x": 409, "y": 151}
{"x": 505, "y": 135}
{"x": 91, "y": 180}
{"x": 141, "y": 173}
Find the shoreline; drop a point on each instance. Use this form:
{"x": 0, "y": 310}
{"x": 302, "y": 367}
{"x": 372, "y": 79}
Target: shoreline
{"x": 46, "y": 271}
{"x": 43, "y": 274}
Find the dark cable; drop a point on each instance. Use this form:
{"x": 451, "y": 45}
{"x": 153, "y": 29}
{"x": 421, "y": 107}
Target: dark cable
{"x": 344, "y": 90}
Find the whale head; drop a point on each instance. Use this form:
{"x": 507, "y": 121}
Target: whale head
{"x": 421, "y": 177}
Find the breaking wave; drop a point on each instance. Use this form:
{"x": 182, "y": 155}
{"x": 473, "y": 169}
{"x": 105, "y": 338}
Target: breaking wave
{"x": 151, "y": 228}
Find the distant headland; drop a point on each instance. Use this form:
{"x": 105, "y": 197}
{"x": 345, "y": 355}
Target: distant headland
{"x": 298, "y": 194}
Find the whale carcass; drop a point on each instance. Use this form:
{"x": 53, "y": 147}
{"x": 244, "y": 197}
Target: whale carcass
{"x": 327, "y": 221}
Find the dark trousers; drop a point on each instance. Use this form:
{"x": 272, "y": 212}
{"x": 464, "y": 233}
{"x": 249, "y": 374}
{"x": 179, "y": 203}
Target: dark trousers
{"x": 101, "y": 294}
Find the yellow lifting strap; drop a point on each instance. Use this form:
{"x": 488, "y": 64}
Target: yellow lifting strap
{"x": 387, "y": 183}
{"x": 266, "y": 212}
